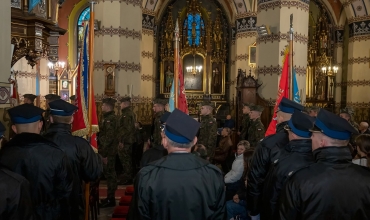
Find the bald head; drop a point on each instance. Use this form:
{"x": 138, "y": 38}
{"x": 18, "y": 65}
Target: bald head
{"x": 34, "y": 128}
{"x": 363, "y": 126}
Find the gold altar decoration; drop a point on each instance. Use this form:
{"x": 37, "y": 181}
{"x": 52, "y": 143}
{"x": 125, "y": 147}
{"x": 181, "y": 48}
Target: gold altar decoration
{"x": 109, "y": 79}
{"x": 203, "y": 50}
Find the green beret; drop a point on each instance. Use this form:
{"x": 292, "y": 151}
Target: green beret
{"x": 125, "y": 99}
{"x": 52, "y": 97}
{"x": 72, "y": 98}
{"x": 160, "y": 101}
{"x": 31, "y": 97}
{"x": 347, "y": 110}
{"x": 208, "y": 103}
{"x": 257, "y": 108}
{"x": 109, "y": 101}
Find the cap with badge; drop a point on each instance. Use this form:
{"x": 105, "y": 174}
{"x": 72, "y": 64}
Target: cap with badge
{"x": 2, "y": 130}
{"x": 288, "y": 106}
{"x": 52, "y": 97}
{"x": 181, "y": 128}
{"x": 208, "y": 103}
{"x": 160, "y": 101}
{"x": 72, "y": 98}
{"x": 125, "y": 99}
{"x": 31, "y": 97}
{"x": 110, "y": 101}
{"x": 333, "y": 126}
{"x": 300, "y": 124}
{"x": 256, "y": 108}
{"x": 25, "y": 114}
{"x": 62, "y": 108}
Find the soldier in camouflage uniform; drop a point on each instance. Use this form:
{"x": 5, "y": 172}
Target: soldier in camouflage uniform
{"x": 107, "y": 143}
{"x": 208, "y": 129}
{"x": 73, "y": 99}
{"x": 159, "y": 109}
{"x": 348, "y": 113}
{"x": 256, "y": 131}
{"x": 48, "y": 98}
{"x": 126, "y": 139}
{"x": 243, "y": 134}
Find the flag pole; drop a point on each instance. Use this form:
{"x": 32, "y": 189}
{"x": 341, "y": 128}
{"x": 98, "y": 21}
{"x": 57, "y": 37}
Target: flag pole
{"x": 90, "y": 89}
{"x": 291, "y": 95}
{"x": 176, "y": 64}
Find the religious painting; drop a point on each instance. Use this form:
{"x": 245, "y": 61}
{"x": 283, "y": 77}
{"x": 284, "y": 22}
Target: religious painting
{"x": 217, "y": 72}
{"x": 252, "y": 55}
{"x": 64, "y": 94}
{"x": 168, "y": 75}
{"x": 193, "y": 69}
{"x": 64, "y": 84}
{"x": 109, "y": 79}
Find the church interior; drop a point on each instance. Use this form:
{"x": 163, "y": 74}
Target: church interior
{"x": 226, "y": 56}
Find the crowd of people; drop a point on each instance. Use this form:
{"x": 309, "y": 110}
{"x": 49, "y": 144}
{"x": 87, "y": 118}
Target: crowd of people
{"x": 315, "y": 165}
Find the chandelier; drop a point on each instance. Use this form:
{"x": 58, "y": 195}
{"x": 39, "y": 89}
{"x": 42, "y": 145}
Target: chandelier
{"x": 194, "y": 69}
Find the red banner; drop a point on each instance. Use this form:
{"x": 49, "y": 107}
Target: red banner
{"x": 282, "y": 92}
{"x": 183, "y": 103}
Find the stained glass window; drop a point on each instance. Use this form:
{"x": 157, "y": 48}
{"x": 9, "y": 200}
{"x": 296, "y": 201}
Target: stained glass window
{"x": 195, "y": 28}
{"x": 84, "y": 16}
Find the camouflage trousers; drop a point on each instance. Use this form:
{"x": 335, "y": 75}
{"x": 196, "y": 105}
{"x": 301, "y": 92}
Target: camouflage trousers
{"x": 111, "y": 176}
{"x": 125, "y": 156}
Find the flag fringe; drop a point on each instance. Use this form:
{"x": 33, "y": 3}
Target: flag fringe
{"x": 286, "y": 52}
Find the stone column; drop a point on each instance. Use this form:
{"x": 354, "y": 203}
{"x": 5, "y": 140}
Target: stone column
{"x": 233, "y": 70}
{"x": 119, "y": 42}
{"x": 276, "y": 15}
{"x": 358, "y": 78}
{"x": 5, "y": 52}
{"x": 338, "y": 53}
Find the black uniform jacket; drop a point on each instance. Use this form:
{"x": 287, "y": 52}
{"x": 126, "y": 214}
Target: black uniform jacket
{"x": 332, "y": 188}
{"x": 86, "y": 164}
{"x": 153, "y": 154}
{"x": 298, "y": 154}
{"x": 15, "y": 197}
{"x": 265, "y": 154}
{"x": 45, "y": 166}
{"x": 179, "y": 186}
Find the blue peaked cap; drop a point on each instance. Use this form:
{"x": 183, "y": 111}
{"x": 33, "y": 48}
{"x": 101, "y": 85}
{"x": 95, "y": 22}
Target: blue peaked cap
{"x": 333, "y": 126}
{"x": 300, "y": 124}
{"x": 180, "y": 127}
{"x": 62, "y": 108}
{"x": 25, "y": 114}
{"x": 288, "y": 106}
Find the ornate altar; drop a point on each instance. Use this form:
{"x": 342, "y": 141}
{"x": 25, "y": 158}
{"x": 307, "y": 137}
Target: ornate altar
{"x": 320, "y": 72}
{"x": 34, "y": 30}
{"x": 204, "y": 35}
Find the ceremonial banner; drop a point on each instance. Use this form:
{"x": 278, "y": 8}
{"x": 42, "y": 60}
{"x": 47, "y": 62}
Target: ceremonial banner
{"x": 296, "y": 97}
{"x": 282, "y": 92}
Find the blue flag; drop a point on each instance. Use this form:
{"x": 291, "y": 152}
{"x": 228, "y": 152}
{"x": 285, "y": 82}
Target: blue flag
{"x": 171, "y": 101}
{"x": 32, "y": 4}
{"x": 295, "y": 88}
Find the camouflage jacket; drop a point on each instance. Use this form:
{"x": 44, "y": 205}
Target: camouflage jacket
{"x": 107, "y": 134}
{"x": 245, "y": 126}
{"x": 354, "y": 124}
{"x": 156, "y": 138}
{"x": 256, "y": 132}
{"x": 207, "y": 132}
{"x": 126, "y": 126}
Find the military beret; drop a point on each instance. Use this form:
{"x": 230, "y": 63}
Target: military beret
{"x": 25, "y": 114}
{"x": 347, "y": 110}
{"x": 300, "y": 124}
{"x": 62, "y": 108}
{"x": 314, "y": 108}
{"x": 72, "y": 98}
{"x": 333, "y": 126}
{"x": 110, "y": 101}
{"x": 207, "y": 103}
{"x": 160, "y": 101}
{"x": 31, "y": 97}
{"x": 164, "y": 117}
{"x": 2, "y": 130}
{"x": 52, "y": 97}
{"x": 125, "y": 99}
{"x": 288, "y": 106}
{"x": 180, "y": 127}
{"x": 257, "y": 108}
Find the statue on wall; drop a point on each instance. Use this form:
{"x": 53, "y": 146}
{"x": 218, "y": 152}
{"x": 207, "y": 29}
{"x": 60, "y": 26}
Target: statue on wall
{"x": 169, "y": 78}
{"x": 216, "y": 76}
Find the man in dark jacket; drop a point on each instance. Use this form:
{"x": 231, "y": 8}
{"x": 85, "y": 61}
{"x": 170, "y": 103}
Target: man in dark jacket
{"x": 86, "y": 164}
{"x": 157, "y": 151}
{"x": 180, "y": 185}
{"x": 298, "y": 154}
{"x": 333, "y": 187}
{"x": 39, "y": 160}
{"x": 15, "y": 197}
{"x": 48, "y": 98}
{"x": 266, "y": 152}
